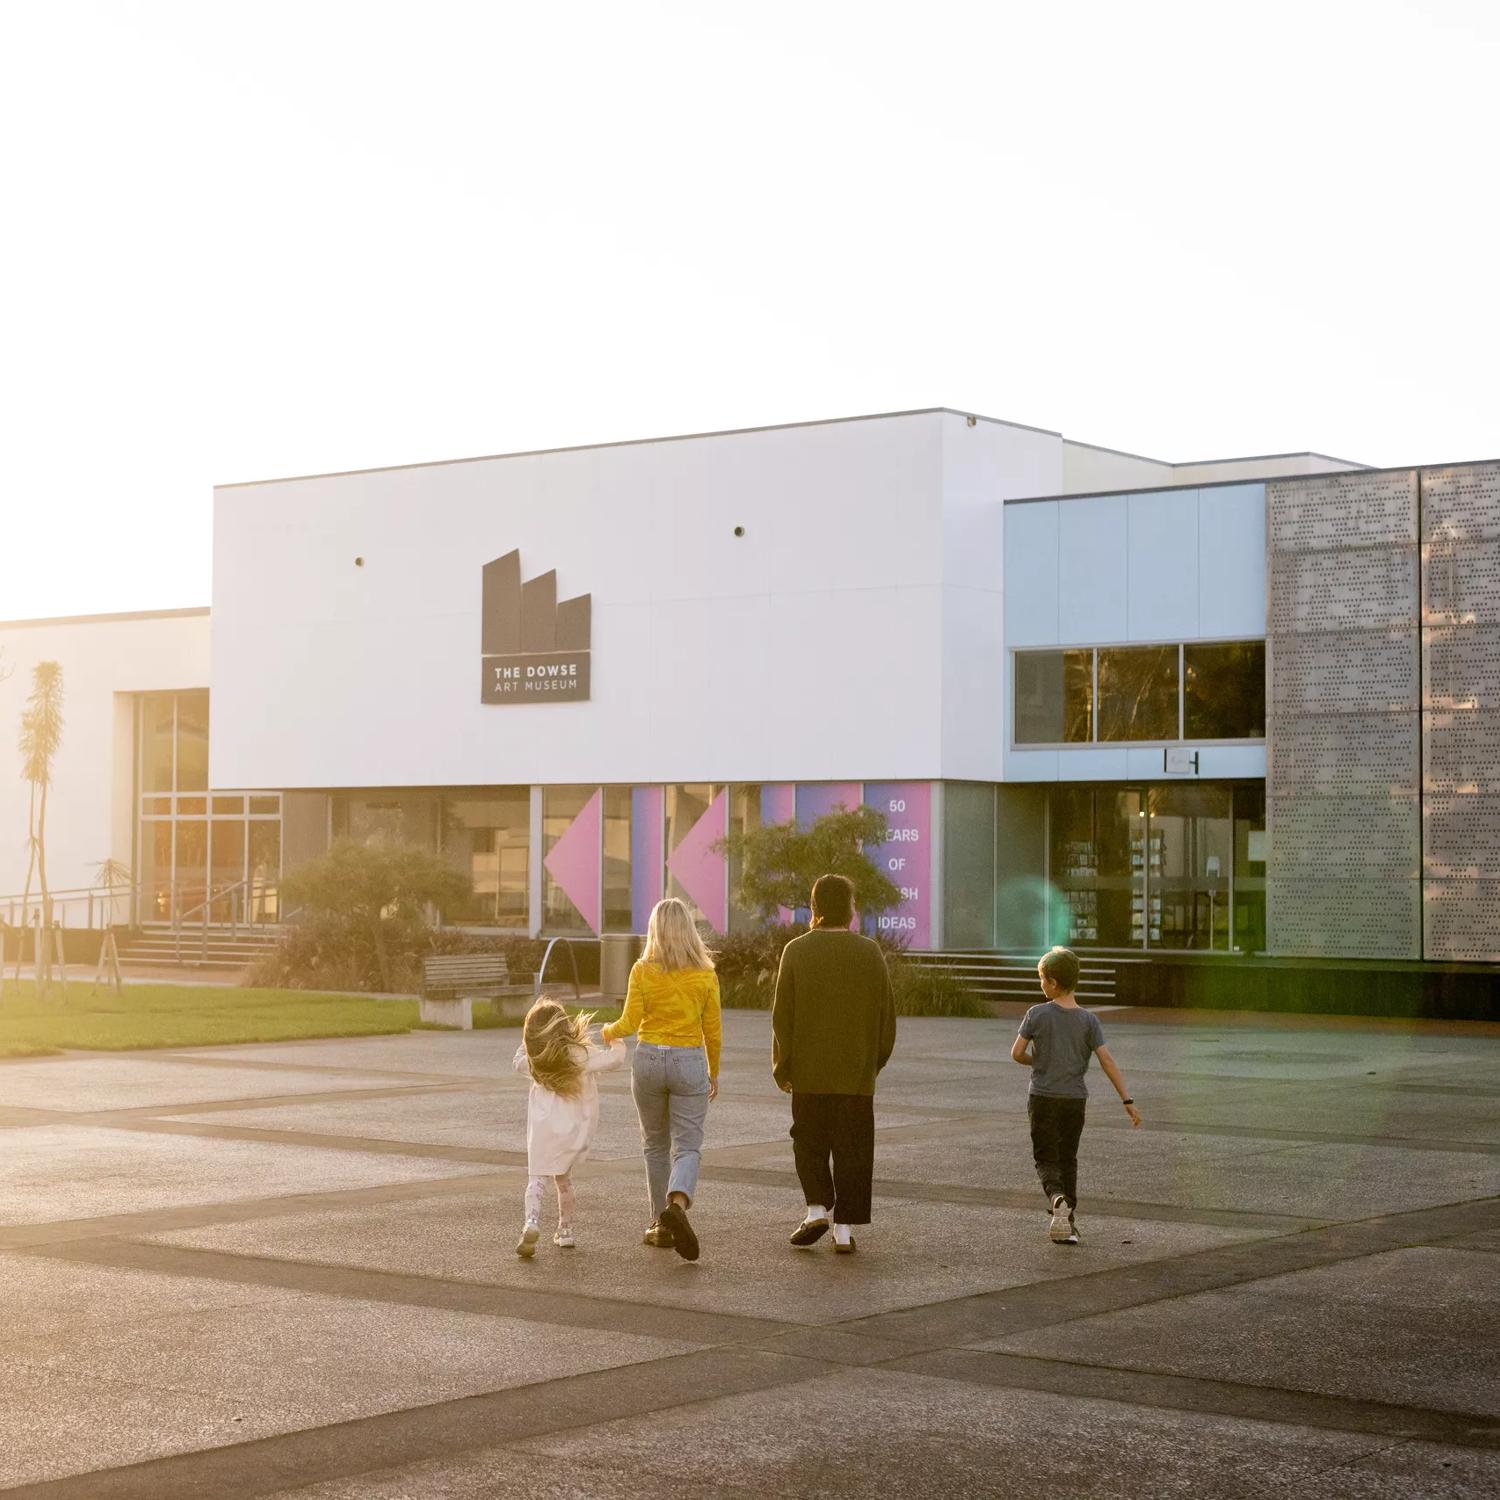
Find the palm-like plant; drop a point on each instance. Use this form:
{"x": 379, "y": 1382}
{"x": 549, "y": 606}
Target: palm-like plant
{"x": 41, "y": 734}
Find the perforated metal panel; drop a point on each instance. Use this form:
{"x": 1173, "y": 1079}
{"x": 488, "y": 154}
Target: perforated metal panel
{"x": 1368, "y": 588}
{"x": 1462, "y": 751}
{"x": 1462, "y": 920}
{"x": 1349, "y": 918}
{"x": 1460, "y": 510}
{"x": 1343, "y": 874}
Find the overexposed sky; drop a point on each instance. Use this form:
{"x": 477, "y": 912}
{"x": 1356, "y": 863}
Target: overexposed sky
{"x": 246, "y": 240}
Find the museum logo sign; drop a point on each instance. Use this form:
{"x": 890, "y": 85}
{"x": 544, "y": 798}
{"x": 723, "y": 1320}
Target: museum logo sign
{"x": 534, "y": 646}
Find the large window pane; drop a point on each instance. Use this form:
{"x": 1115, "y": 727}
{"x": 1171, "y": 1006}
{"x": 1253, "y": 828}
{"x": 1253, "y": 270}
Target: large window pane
{"x": 617, "y": 859}
{"x": 264, "y": 868}
{"x": 1224, "y": 690}
{"x": 158, "y": 726}
{"x": 192, "y": 742}
{"x": 1098, "y": 860}
{"x": 1138, "y": 693}
{"x": 1192, "y": 851}
{"x": 487, "y": 838}
{"x": 560, "y": 806}
{"x": 1054, "y": 697}
{"x": 192, "y": 862}
{"x": 968, "y": 865}
{"x": 386, "y": 818}
{"x": 686, "y": 805}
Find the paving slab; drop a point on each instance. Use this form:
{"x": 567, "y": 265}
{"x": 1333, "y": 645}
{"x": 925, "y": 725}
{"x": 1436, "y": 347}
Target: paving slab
{"x": 87, "y": 1084}
{"x": 915, "y": 1252}
{"x": 898, "y": 1435}
{"x": 1413, "y": 1327}
{"x": 1408, "y": 1471}
{"x": 495, "y": 1119}
{"x": 53, "y": 1172}
{"x": 55, "y": 1423}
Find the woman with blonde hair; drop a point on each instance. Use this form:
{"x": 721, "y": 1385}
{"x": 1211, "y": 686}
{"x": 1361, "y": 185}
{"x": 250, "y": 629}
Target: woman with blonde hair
{"x": 672, "y": 1001}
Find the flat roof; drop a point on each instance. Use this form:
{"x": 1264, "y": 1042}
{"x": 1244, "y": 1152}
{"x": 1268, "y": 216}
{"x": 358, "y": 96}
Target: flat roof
{"x": 687, "y": 437}
{"x": 129, "y": 614}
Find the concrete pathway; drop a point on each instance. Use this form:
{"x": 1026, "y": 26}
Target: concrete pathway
{"x": 286, "y": 1271}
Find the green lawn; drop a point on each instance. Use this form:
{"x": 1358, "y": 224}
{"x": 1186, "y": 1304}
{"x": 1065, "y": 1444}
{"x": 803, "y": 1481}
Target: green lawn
{"x": 163, "y": 1015}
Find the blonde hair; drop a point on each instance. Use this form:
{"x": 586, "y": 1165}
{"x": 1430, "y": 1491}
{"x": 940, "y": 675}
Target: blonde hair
{"x": 553, "y": 1040}
{"x": 673, "y": 940}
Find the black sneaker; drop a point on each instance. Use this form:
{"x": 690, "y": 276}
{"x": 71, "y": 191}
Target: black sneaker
{"x": 809, "y": 1232}
{"x": 675, "y": 1222}
{"x": 657, "y": 1236}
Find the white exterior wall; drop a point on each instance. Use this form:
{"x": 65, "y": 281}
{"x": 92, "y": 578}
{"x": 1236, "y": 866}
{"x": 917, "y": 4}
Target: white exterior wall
{"x": 809, "y": 649}
{"x": 1173, "y": 565}
{"x": 982, "y": 466}
{"x": 1087, "y": 469}
{"x": 1273, "y": 466}
{"x": 104, "y": 662}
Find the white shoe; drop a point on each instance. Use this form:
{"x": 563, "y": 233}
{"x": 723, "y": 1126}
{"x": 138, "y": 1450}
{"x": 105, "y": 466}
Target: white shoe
{"x": 1061, "y": 1228}
{"x": 564, "y": 1240}
{"x": 526, "y": 1245}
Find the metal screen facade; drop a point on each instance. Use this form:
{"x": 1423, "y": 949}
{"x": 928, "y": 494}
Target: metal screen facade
{"x": 1461, "y": 711}
{"x": 1343, "y": 707}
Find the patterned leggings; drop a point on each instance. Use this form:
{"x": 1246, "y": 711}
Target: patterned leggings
{"x": 564, "y": 1186}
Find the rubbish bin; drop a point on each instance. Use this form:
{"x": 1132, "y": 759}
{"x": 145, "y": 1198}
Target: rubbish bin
{"x": 617, "y": 953}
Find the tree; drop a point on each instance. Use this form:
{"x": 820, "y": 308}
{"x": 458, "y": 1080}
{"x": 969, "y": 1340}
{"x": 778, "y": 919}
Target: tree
{"x": 778, "y": 862}
{"x": 41, "y": 734}
{"x": 377, "y": 893}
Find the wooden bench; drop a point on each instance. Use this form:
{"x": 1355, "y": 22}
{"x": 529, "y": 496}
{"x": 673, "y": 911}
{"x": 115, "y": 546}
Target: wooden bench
{"x": 452, "y": 982}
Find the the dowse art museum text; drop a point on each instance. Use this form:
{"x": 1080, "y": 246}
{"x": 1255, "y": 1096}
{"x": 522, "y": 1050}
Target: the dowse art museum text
{"x": 533, "y": 677}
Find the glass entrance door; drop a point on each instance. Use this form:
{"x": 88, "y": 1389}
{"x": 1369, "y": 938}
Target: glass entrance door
{"x": 1145, "y": 867}
{"x": 1099, "y": 867}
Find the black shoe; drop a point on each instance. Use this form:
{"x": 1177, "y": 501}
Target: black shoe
{"x": 809, "y": 1232}
{"x": 675, "y": 1222}
{"x": 657, "y": 1236}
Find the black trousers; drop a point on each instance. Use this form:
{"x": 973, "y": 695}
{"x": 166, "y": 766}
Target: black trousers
{"x": 833, "y": 1141}
{"x": 1056, "y": 1125}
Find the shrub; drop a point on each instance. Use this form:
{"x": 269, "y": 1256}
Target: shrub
{"x": 747, "y": 963}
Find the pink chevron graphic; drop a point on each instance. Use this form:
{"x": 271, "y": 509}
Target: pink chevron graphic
{"x": 700, "y": 868}
{"x": 574, "y": 860}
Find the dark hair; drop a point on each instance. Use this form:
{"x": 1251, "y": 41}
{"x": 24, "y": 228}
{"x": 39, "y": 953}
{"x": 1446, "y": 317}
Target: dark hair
{"x": 833, "y": 900}
{"x": 1060, "y": 965}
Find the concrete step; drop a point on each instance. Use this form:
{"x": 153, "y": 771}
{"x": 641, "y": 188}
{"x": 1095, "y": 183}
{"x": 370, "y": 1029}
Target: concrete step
{"x": 999, "y": 976}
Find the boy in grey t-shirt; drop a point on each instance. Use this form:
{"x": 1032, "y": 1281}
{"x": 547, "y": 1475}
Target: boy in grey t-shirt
{"x": 1056, "y": 1041}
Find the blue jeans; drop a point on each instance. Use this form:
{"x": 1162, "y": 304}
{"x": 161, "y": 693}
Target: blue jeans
{"x": 670, "y": 1087}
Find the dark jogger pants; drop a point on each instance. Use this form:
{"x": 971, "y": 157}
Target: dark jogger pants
{"x": 840, "y": 1127}
{"x": 1056, "y": 1125}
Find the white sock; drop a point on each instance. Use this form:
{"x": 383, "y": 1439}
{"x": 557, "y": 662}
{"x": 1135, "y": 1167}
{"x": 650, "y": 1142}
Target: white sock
{"x": 841, "y": 1234}
{"x": 815, "y": 1212}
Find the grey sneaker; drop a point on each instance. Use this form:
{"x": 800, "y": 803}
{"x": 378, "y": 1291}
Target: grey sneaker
{"x": 1061, "y": 1226}
{"x": 564, "y": 1240}
{"x": 526, "y": 1245}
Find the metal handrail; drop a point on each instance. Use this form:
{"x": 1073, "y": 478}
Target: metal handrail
{"x": 541, "y": 968}
{"x": 213, "y": 896}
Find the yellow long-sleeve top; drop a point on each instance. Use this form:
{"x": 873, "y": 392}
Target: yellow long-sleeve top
{"x": 672, "y": 1008}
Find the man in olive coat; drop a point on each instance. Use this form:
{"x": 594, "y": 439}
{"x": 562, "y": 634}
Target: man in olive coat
{"x": 833, "y": 1028}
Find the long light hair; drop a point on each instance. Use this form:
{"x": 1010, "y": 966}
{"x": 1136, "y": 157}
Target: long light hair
{"x": 557, "y": 1046}
{"x": 673, "y": 940}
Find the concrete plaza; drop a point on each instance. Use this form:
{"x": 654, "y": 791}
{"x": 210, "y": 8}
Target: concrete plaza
{"x": 287, "y": 1271}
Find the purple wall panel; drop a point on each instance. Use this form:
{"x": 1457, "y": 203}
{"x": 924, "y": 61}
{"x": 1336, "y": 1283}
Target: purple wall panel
{"x": 906, "y": 857}
{"x": 647, "y": 866}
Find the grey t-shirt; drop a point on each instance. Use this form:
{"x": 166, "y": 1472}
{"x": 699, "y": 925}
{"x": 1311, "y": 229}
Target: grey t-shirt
{"x": 1064, "y": 1038}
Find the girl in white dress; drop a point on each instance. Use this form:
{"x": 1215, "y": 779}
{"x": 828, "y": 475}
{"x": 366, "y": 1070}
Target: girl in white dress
{"x": 562, "y": 1112}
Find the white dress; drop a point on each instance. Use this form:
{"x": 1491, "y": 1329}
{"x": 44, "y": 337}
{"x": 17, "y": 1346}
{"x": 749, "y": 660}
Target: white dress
{"x": 560, "y": 1131}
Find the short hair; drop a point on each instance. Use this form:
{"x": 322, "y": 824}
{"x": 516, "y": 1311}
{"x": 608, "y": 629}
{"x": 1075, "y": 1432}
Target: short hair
{"x": 1060, "y": 965}
{"x": 833, "y": 899}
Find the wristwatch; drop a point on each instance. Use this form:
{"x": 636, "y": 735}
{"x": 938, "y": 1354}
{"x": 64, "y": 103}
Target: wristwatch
{"x": 1127, "y": 1101}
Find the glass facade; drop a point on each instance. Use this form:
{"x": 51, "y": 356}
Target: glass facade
{"x": 1201, "y": 691}
{"x": 1166, "y": 866}
{"x": 198, "y": 851}
{"x": 486, "y": 837}
{"x": 1224, "y": 690}
{"x": 1138, "y": 693}
{"x": 561, "y": 807}
{"x": 1054, "y": 697}
{"x": 617, "y": 830}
